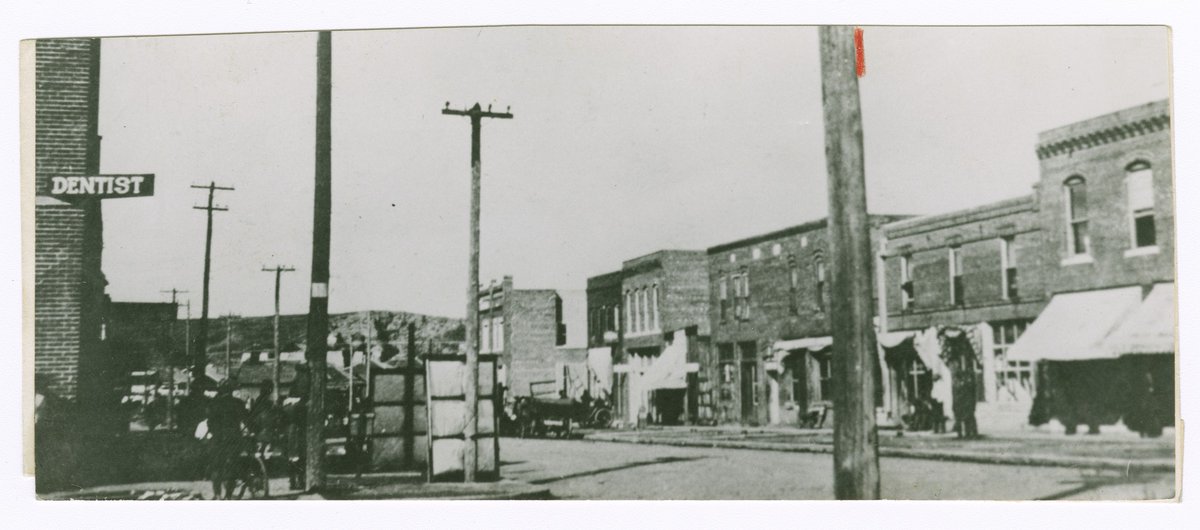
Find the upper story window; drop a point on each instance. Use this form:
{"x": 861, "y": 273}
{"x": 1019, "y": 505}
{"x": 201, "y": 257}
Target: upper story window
{"x": 560, "y": 334}
{"x": 821, "y": 284}
{"x": 907, "y": 295}
{"x": 498, "y": 334}
{"x": 741, "y": 296}
{"x": 629, "y": 312}
{"x": 956, "y": 280}
{"x": 776, "y": 249}
{"x": 1139, "y": 183}
{"x": 793, "y": 286}
{"x": 756, "y": 253}
{"x": 1008, "y": 268}
{"x": 485, "y": 336}
{"x": 723, "y": 297}
{"x": 654, "y": 322}
{"x": 1075, "y": 194}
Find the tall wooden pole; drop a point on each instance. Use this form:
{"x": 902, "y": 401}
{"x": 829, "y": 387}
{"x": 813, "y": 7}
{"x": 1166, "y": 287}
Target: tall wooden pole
{"x": 278, "y": 270}
{"x": 200, "y": 362}
{"x": 228, "y": 347}
{"x": 410, "y": 371}
{"x": 855, "y": 440}
{"x": 318, "y": 303}
{"x": 472, "y": 327}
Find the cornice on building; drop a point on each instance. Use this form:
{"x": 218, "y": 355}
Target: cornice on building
{"x": 1102, "y": 130}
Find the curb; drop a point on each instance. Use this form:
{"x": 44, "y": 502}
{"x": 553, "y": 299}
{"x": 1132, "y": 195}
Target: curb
{"x": 1157, "y": 464}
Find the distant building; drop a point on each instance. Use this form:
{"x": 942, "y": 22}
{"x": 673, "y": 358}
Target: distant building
{"x": 769, "y": 313}
{"x": 539, "y": 334}
{"x": 648, "y": 321}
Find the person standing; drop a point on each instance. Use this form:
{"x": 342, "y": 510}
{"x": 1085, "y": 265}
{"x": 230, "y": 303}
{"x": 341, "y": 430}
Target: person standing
{"x": 226, "y": 415}
{"x": 296, "y": 419}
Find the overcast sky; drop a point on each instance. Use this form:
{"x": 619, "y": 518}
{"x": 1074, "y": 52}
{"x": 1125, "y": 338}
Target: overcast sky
{"x": 625, "y": 140}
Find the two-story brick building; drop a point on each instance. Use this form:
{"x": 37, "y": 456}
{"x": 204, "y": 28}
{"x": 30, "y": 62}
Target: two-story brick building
{"x": 978, "y": 270}
{"x": 539, "y": 335}
{"x": 1105, "y": 340}
{"x": 769, "y": 313}
{"x": 651, "y": 319}
{"x": 1056, "y": 276}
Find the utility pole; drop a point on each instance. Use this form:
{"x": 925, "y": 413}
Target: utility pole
{"x": 278, "y": 270}
{"x": 201, "y": 360}
{"x": 855, "y": 439}
{"x": 318, "y": 302}
{"x": 171, "y": 358}
{"x": 472, "y": 336}
{"x": 228, "y": 347}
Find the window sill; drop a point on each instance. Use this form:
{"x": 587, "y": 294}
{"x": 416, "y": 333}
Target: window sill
{"x": 1080, "y": 259}
{"x": 1141, "y": 251}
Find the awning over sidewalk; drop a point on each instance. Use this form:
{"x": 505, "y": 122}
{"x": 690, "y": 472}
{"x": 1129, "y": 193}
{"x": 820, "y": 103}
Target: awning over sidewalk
{"x": 782, "y": 347}
{"x": 1074, "y": 326}
{"x": 670, "y": 368}
{"x": 1150, "y": 328}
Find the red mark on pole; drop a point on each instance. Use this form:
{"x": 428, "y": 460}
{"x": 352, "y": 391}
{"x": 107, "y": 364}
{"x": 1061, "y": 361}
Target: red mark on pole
{"x": 860, "y": 60}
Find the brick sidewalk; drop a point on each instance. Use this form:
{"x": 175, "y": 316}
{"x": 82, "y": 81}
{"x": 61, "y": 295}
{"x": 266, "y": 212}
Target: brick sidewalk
{"x": 1109, "y": 451}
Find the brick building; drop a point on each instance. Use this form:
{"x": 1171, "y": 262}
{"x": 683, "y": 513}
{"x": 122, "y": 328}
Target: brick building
{"x": 604, "y": 311}
{"x": 1106, "y": 204}
{"x": 979, "y": 270}
{"x": 769, "y": 314}
{"x": 539, "y": 335}
{"x": 649, "y": 322}
{"x": 68, "y": 283}
{"x": 1049, "y": 276}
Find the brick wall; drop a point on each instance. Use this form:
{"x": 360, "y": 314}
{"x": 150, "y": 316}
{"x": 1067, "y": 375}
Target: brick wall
{"x": 1099, "y": 150}
{"x": 777, "y": 311}
{"x": 603, "y": 297}
{"x": 531, "y": 330}
{"x": 977, "y": 233}
{"x": 69, "y": 286}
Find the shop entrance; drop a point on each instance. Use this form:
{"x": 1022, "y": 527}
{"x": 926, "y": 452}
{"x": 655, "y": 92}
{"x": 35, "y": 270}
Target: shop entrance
{"x": 749, "y": 383}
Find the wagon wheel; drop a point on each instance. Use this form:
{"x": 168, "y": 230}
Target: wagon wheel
{"x": 601, "y": 419}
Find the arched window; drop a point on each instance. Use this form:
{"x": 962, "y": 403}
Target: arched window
{"x": 1139, "y": 185}
{"x": 819, "y": 269}
{"x": 1075, "y": 195}
{"x": 793, "y": 286}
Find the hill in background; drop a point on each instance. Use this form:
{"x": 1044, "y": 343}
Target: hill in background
{"x": 254, "y": 334}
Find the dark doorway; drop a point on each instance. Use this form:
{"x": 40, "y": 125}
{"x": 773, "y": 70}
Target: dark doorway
{"x": 749, "y": 383}
{"x": 669, "y": 405}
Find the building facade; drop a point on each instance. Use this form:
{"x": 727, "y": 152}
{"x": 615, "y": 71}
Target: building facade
{"x": 978, "y": 270}
{"x": 1048, "y": 276}
{"x": 648, "y": 321}
{"x": 539, "y": 335}
{"x": 769, "y": 313}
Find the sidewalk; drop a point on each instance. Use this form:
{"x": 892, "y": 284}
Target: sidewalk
{"x": 371, "y": 486}
{"x": 1103, "y": 451}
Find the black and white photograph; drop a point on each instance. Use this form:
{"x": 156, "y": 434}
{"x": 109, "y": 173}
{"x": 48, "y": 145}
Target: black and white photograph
{"x": 603, "y": 262}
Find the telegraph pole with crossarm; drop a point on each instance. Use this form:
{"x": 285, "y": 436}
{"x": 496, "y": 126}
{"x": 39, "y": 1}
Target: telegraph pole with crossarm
{"x": 200, "y": 362}
{"x": 278, "y": 270}
{"x": 476, "y": 113}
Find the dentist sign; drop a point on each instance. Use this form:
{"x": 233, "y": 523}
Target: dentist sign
{"x": 102, "y": 186}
